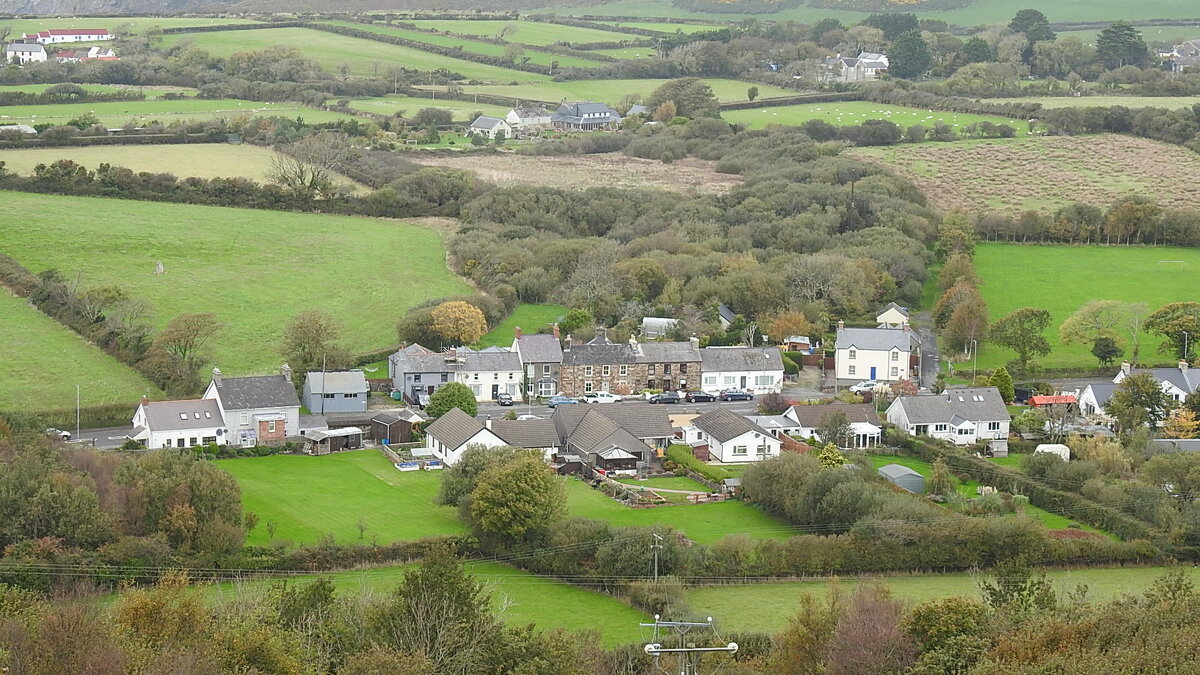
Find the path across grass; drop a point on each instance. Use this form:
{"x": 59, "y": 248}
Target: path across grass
{"x": 254, "y": 269}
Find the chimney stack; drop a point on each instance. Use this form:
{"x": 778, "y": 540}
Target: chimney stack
{"x": 556, "y": 335}
{"x": 906, "y": 327}
{"x": 286, "y": 371}
{"x": 487, "y": 422}
{"x": 1126, "y": 367}
{"x": 518, "y": 331}
{"x": 145, "y": 400}
{"x": 569, "y": 341}
{"x": 454, "y": 352}
{"x": 602, "y": 332}
{"x": 841, "y": 325}
{"x": 1183, "y": 365}
{"x": 695, "y": 342}
{"x": 217, "y": 375}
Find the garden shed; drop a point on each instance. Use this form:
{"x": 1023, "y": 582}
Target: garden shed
{"x": 322, "y": 442}
{"x": 903, "y": 477}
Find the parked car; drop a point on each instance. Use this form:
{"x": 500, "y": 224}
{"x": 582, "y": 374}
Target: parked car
{"x": 736, "y": 395}
{"x": 601, "y": 397}
{"x": 504, "y": 399}
{"x": 665, "y": 397}
{"x": 555, "y": 401}
{"x": 59, "y": 433}
{"x": 865, "y": 385}
{"x": 700, "y": 397}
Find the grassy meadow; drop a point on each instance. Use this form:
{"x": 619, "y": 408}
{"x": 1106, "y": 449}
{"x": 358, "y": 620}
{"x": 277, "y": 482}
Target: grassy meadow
{"x": 44, "y": 360}
{"x": 361, "y": 57}
{"x": 768, "y": 606}
{"x": 203, "y": 160}
{"x": 1170, "y": 102}
{"x": 612, "y": 91}
{"x": 463, "y": 111}
{"x": 530, "y": 318}
{"x": 117, "y": 113}
{"x": 1063, "y": 278}
{"x": 1040, "y": 173}
{"x": 253, "y": 269}
{"x": 525, "y": 32}
{"x": 114, "y": 24}
{"x": 473, "y": 46}
{"x": 662, "y": 27}
{"x": 520, "y": 598}
{"x": 856, "y": 112}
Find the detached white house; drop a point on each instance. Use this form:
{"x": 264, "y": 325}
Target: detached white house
{"x": 758, "y": 370}
{"x": 863, "y": 419}
{"x": 528, "y": 118}
{"x": 1176, "y": 382}
{"x": 880, "y": 354}
{"x": 961, "y": 415}
{"x": 449, "y": 435}
{"x": 490, "y": 127}
{"x": 24, "y": 52}
{"x": 892, "y": 316}
{"x": 732, "y": 438}
{"x": 178, "y": 424}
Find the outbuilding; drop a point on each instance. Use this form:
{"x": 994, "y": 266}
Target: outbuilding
{"x": 1063, "y": 452}
{"x": 903, "y": 477}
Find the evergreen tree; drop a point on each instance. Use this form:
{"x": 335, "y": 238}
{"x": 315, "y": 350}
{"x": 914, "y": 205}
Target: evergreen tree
{"x": 910, "y": 57}
{"x": 1003, "y": 381}
{"x": 452, "y": 395}
{"x": 977, "y": 50}
{"x": 1121, "y": 45}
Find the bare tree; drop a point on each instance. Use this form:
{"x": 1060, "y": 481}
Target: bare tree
{"x": 186, "y": 337}
{"x": 311, "y": 164}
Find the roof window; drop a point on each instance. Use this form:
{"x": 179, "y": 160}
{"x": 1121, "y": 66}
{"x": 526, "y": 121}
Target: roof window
{"x": 183, "y": 416}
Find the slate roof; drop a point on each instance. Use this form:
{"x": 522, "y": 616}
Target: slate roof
{"x": 1176, "y": 444}
{"x": 27, "y": 47}
{"x": 526, "y": 112}
{"x": 640, "y": 419}
{"x": 892, "y": 305}
{"x": 259, "y": 391}
{"x": 539, "y": 348}
{"x": 668, "y": 352}
{"x": 527, "y": 433}
{"x": 577, "y": 113}
{"x": 1102, "y": 392}
{"x": 1185, "y": 380}
{"x": 725, "y": 312}
{"x": 200, "y": 413}
{"x": 491, "y": 360}
{"x": 313, "y": 422}
{"x": 595, "y": 432}
{"x": 895, "y": 471}
{"x": 812, "y": 415}
{"x": 770, "y": 422}
{"x": 731, "y": 359}
{"x": 597, "y": 352}
{"x": 338, "y": 382}
{"x": 454, "y": 428}
{"x": 637, "y": 109}
{"x": 417, "y": 359}
{"x": 977, "y": 404}
{"x": 724, "y": 425}
{"x": 487, "y": 123}
{"x": 874, "y": 339}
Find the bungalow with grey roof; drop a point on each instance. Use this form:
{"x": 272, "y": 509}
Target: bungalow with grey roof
{"x": 732, "y": 438}
{"x": 178, "y": 424}
{"x": 490, "y": 127}
{"x": 961, "y": 415}
{"x": 865, "y": 427}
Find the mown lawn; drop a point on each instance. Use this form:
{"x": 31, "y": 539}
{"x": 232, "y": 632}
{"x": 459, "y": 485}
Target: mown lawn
{"x": 473, "y": 46}
{"x": 768, "y": 606}
{"x": 525, "y": 32}
{"x": 845, "y": 113}
{"x": 1063, "y": 278}
{"x": 203, "y": 160}
{"x": 44, "y": 360}
{"x": 360, "y": 56}
{"x": 520, "y": 598}
{"x": 117, "y": 113}
{"x": 612, "y": 91}
{"x": 530, "y": 318}
{"x": 254, "y": 269}
{"x": 308, "y": 497}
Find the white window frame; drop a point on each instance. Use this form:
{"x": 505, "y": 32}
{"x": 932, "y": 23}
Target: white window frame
{"x": 587, "y": 387}
{"x": 588, "y": 371}
{"x": 623, "y": 370}
{"x": 849, "y": 370}
{"x": 740, "y": 451}
{"x": 852, "y": 354}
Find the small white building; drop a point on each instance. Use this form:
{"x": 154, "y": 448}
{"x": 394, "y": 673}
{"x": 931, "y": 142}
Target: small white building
{"x": 528, "y": 119}
{"x": 655, "y": 327}
{"x": 178, "y": 424}
{"x": 1094, "y": 398}
{"x": 1057, "y": 449}
{"x": 864, "y": 422}
{"x": 892, "y": 316}
{"x": 880, "y": 354}
{"x": 491, "y": 372}
{"x": 490, "y": 127}
{"x": 732, "y": 438}
{"x": 56, "y": 36}
{"x": 758, "y": 370}
{"x": 449, "y": 435}
{"x": 24, "y": 52}
{"x": 960, "y": 415}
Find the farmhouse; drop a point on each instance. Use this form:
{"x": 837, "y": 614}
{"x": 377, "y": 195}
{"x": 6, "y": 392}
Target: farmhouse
{"x": 336, "y": 391}
{"x": 177, "y": 424}
{"x": 960, "y": 415}
{"x": 258, "y": 410}
{"x": 880, "y": 354}
{"x": 864, "y": 422}
{"x": 490, "y": 127}
{"x": 528, "y": 119}
{"x": 56, "y": 36}
{"x": 1184, "y": 56}
{"x": 903, "y": 477}
{"x": 24, "y": 52}
{"x": 584, "y": 116}
{"x": 866, "y": 66}
{"x": 1175, "y": 382}
{"x": 447, "y": 436}
{"x": 91, "y": 53}
{"x": 732, "y": 438}
{"x": 758, "y": 370}
{"x": 541, "y": 356}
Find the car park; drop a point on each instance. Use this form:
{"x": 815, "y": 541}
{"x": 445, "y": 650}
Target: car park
{"x": 700, "y": 397}
{"x": 555, "y": 401}
{"x": 665, "y": 397}
{"x": 736, "y": 395}
{"x": 601, "y": 397}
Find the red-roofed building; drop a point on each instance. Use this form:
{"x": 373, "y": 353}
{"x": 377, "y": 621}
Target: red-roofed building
{"x": 1044, "y": 401}
{"x": 60, "y": 35}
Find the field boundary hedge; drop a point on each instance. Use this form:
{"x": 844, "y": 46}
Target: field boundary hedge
{"x": 232, "y": 26}
{"x": 557, "y": 49}
{"x": 132, "y": 139}
{"x": 796, "y": 99}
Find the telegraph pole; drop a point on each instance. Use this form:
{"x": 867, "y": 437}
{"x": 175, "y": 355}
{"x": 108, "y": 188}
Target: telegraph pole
{"x": 688, "y": 653}
{"x": 657, "y": 546}
{"x": 974, "y": 353}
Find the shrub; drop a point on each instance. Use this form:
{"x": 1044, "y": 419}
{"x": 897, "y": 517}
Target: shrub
{"x": 682, "y": 457}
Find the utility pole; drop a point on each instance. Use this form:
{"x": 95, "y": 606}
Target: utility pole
{"x": 688, "y": 653}
{"x": 77, "y": 409}
{"x": 657, "y": 546}
{"x": 975, "y": 353}
{"x": 322, "y": 384}
{"x": 1185, "y": 346}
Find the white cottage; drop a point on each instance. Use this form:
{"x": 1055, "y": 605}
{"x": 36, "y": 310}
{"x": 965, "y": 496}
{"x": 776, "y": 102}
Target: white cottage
{"x": 880, "y": 354}
{"x": 865, "y": 426}
{"x": 960, "y": 415}
{"x": 758, "y": 370}
{"x": 449, "y": 435}
{"x": 177, "y": 424}
{"x": 732, "y": 438}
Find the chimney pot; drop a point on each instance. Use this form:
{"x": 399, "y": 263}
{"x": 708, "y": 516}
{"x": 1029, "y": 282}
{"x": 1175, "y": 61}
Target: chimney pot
{"x": 216, "y": 375}
{"x": 518, "y": 331}
{"x": 286, "y": 371}
{"x": 841, "y": 325}
{"x": 556, "y": 335}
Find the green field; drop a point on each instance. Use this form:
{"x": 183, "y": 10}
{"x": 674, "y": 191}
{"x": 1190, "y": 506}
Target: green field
{"x": 1171, "y": 102}
{"x": 362, "y": 57}
{"x": 768, "y": 606}
{"x": 856, "y": 112}
{"x": 463, "y": 110}
{"x": 519, "y": 597}
{"x": 1063, "y": 278}
{"x": 685, "y": 28}
{"x": 525, "y": 32}
{"x": 253, "y": 269}
{"x": 627, "y": 52}
{"x": 612, "y": 91}
{"x": 474, "y": 46}
{"x": 117, "y": 113}
{"x": 136, "y": 24}
{"x": 529, "y": 317}
{"x": 43, "y": 361}
{"x": 204, "y": 160}
{"x": 150, "y": 92}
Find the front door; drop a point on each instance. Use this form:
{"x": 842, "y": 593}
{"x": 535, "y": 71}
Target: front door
{"x": 743, "y": 382}
{"x": 872, "y": 372}
{"x": 495, "y": 391}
